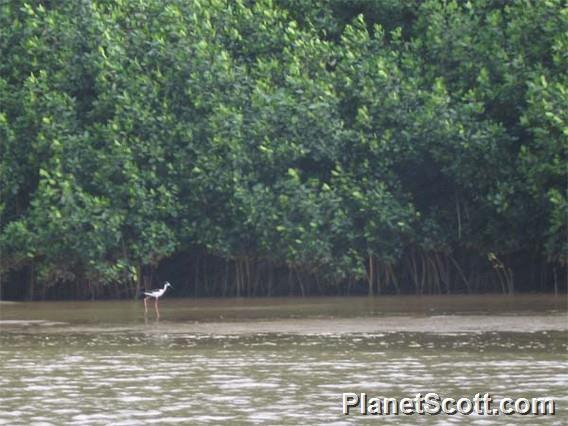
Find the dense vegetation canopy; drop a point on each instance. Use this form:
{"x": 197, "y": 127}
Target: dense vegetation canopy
{"x": 282, "y": 146}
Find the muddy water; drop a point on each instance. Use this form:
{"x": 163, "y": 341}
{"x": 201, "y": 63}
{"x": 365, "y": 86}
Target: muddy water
{"x": 275, "y": 361}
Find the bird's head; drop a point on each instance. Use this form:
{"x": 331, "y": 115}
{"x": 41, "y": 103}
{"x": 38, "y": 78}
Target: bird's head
{"x": 167, "y": 284}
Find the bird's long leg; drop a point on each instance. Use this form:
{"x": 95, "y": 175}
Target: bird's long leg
{"x": 157, "y": 309}
{"x": 145, "y": 306}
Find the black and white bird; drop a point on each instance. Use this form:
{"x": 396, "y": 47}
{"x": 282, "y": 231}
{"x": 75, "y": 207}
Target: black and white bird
{"x": 156, "y": 294}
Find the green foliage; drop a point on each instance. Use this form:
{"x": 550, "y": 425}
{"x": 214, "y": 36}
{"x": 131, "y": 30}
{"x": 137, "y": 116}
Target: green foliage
{"x": 313, "y": 135}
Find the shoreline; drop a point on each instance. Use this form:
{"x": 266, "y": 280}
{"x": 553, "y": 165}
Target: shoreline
{"x": 437, "y": 324}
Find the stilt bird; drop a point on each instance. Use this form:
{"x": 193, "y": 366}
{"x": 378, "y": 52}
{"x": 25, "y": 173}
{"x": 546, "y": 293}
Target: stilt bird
{"x": 156, "y": 294}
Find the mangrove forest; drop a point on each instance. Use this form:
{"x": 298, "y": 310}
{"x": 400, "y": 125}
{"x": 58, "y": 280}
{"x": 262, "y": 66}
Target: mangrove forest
{"x": 282, "y": 147}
